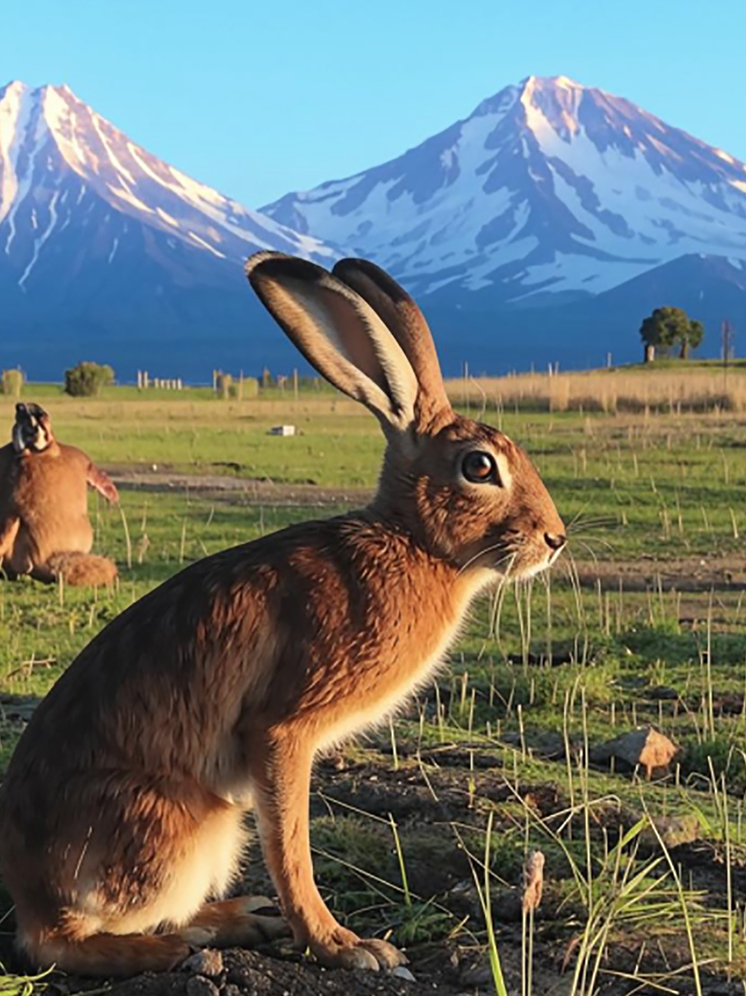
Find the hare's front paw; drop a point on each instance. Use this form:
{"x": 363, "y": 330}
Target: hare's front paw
{"x": 343, "y": 949}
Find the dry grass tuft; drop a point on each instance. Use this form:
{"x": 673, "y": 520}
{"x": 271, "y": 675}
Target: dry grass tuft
{"x": 633, "y": 390}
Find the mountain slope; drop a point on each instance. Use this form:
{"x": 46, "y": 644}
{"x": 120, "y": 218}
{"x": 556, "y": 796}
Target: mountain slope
{"x": 549, "y": 192}
{"x": 540, "y": 228}
{"x": 101, "y": 243}
{"x": 580, "y": 333}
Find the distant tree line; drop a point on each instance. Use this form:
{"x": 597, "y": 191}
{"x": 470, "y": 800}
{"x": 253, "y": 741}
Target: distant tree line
{"x": 86, "y": 380}
{"x": 665, "y": 330}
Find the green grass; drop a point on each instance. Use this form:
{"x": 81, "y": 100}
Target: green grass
{"x": 499, "y": 743}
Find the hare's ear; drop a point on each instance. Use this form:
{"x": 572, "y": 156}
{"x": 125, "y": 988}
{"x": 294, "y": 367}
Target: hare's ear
{"x": 337, "y": 332}
{"x": 402, "y": 316}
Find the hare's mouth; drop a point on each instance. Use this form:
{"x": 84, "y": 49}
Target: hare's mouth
{"x": 514, "y": 560}
{"x": 527, "y": 566}
{"x": 528, "y": 571}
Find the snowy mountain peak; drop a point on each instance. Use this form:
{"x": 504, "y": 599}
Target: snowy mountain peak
{"x": 548, "y": 190}
{"x": 61, "y": 162}
{"x": 14, "y": 87}
{"x": 554, "y": 210}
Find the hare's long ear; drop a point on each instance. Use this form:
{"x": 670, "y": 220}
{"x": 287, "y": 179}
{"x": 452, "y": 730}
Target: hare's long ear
{"x": 402, "y": 316}
{"x": 339, "y": 333}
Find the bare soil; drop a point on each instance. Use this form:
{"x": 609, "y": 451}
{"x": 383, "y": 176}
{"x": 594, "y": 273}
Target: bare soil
{"x": 426, "y": 811}
{"x": 248, "y": 491}
{"x": 685, "y": 574}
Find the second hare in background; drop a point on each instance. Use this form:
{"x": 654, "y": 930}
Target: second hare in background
{"x": 44, "y": 526}
{"x": 121, "y": 814}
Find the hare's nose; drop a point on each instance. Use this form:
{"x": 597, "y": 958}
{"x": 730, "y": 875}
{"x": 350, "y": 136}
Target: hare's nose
{"x": 555, "y": 541}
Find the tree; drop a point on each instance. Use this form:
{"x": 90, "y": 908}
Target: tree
{"x": 669, "y": 327}
{"x": 86, "y": 379}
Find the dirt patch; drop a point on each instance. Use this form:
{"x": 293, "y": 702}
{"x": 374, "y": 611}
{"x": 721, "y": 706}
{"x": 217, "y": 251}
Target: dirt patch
{"x": 254, "y": 974}
{"x": 458, "y": 785}
{"x": 683, "y": 574}
{"x": 248, "y": 491}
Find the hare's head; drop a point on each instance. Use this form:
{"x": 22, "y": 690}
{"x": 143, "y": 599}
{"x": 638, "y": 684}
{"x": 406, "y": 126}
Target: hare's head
{"x": 464, "y": 490}
{"x": 32, "y": 430}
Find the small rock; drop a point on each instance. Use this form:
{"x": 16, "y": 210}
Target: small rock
{"x": 675, "y": 830}
{"x": 644, "y": 746}
{"x": 198, "y": 985}
{"x": 207, "y": 962}
{"x": 402, "y": 972}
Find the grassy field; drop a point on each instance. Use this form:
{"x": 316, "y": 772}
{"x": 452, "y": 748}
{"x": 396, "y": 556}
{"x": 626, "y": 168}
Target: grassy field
{"x": 666, "y": 385}
{"x": 419, "y": 827}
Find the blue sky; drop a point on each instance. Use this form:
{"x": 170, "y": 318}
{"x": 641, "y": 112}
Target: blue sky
{"x": 258, "y": 98}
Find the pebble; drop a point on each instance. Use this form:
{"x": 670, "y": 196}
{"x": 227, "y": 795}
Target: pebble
{"x": 207, "y": 962}
{"x": 402, "y": 972}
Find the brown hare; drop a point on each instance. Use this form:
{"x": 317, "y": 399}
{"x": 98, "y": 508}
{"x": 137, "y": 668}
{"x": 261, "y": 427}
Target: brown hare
{"x": 44, "y": 526}
{"x": 122, "y": 811}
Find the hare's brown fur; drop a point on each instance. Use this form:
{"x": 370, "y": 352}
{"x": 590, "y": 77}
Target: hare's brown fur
{"x": 122, "y": 810}
{"x": 45, "y": 530}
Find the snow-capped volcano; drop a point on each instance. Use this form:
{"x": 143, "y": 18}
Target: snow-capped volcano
{"x": 542, "y": 227}
{"x": 549, "y": 191}
{"x": 110, "y": 253}
{"x": 60, "y": 161}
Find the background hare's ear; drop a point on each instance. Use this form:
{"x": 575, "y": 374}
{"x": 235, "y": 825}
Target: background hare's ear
{"x": 403, "y": 317}
{"x": 339, "y": 333}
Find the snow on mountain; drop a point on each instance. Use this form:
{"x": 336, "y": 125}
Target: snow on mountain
{"x": 103, "y": 244}
{"x": 555, "y": 211}
{"x": 548, "y": 192}
{"x": 60, "y": 161}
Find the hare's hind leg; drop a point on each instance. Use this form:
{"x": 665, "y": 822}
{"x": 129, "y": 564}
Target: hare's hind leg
{"x": 106, "y": 954}
{"x": 220, "y": 924}
{"x": 282, "y": 781}
{"x": 149, "y": 864}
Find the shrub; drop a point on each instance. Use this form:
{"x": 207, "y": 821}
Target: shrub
{"x": 11, "y": 382}
{"x": 249, "y": 388}
{"x": 87, "y": 378}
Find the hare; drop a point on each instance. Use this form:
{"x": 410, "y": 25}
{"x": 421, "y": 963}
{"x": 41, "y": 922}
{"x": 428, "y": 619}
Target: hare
{"x": 44, "y": 526}
{"x": 122, "y": 810}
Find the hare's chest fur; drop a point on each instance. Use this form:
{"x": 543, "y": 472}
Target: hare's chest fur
{"x": 401, "y": 678}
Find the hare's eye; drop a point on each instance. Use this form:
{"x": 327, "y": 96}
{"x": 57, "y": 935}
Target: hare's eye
{"x": 479, "y": 468}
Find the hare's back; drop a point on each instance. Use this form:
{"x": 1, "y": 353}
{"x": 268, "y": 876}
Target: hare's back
{"x": 162, "y": 683}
